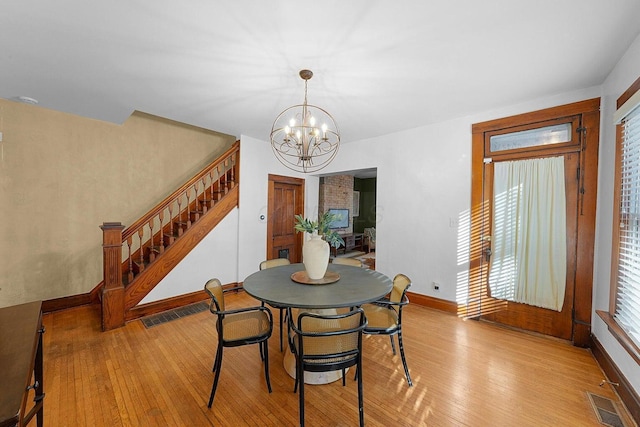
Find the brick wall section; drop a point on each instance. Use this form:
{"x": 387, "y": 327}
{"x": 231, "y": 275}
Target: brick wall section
{"x": 337, "y": 192}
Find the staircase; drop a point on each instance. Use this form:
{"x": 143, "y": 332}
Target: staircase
{"x": 137, "y": 258}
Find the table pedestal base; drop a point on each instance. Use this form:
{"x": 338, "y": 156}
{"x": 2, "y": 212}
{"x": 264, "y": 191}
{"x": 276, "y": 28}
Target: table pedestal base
{"x": 289, "y": 362}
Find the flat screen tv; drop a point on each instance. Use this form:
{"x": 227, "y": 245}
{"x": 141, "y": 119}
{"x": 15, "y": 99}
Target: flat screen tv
{"x": 342, "y": 220}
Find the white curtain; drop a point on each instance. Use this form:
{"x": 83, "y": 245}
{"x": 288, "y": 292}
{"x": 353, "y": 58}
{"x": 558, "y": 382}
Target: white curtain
{"x": 529, "y": 249}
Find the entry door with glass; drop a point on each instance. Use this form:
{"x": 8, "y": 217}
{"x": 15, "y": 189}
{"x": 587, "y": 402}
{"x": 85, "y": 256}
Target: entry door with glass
{"x": 527, "y": 207}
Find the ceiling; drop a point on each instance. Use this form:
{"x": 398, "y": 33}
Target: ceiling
{"x": 379, "y": 66}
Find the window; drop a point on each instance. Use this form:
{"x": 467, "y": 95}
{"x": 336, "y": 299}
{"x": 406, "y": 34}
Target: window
{"x": 555, "y": 134}
{"x": 625, "y": 305}
{"x": 627, "y": 312}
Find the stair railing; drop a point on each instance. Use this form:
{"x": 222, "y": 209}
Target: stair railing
{"x": 144, "y": 241}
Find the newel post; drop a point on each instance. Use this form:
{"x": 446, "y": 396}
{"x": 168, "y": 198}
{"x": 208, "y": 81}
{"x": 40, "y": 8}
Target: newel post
{"x": 113, "y": 291}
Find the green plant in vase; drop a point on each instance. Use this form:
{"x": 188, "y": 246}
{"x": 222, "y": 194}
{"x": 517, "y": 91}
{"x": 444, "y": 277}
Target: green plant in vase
{"x": 321, "y": 227}
{"x": 315, "y": 251}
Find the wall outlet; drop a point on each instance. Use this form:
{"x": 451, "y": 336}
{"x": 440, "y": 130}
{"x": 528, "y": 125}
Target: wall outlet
{"x": 436, "y": 286}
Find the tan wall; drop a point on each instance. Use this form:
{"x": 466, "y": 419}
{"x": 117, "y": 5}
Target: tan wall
{"x": 62, "y": 176}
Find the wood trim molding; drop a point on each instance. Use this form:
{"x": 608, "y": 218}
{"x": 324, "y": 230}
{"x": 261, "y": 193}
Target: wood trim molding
{"x": 628, "y": 396}
{"x": 435, "y": 303}
{"x": 635, "y": 87}
{"x": 620, "y": 335}
{"x": 63, "y": 303}
{"x": 550, "y": 113}
{"x": 155, "y": 307}
{"x": 178, "y": 301}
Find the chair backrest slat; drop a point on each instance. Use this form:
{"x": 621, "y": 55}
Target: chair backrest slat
{"x": 347, "y": 261}
{"x": 400, "y": 285}
{"x": 214, "y": 289}
{"x": 277, "y": 262}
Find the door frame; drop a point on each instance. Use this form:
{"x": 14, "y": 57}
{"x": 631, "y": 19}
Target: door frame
{"x": 478, "y": 269}
{"x": 298, "y": 207}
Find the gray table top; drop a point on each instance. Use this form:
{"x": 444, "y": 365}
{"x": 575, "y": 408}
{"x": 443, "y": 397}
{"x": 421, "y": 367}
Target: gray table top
{"x": 355, "y": 287}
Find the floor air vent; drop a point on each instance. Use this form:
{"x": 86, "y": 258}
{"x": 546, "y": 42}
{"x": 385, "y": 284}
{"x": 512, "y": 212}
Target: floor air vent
{"x": 167, "y": 316}
{"x": 605, "y": 410}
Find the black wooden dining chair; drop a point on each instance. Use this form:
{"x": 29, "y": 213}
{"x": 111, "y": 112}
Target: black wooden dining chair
{"x": 384, "y": 316}
{"x": 237, "y": 327}
{"x": 323, "y": 343}
{"x": 270, "y": 263}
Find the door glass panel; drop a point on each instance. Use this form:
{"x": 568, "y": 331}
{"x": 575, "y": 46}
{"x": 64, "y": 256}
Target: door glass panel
{"x": 547, "y": 135}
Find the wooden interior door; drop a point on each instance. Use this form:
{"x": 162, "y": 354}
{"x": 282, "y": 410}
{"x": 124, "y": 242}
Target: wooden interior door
{"x": 580, "y": 155}
{"x": 286, "y": 199}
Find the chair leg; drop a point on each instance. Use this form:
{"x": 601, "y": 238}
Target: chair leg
{"x": 344, "y": 373}
{"x": 281, "y": 321}
{"x": 300, "y": 381}
{"x": 404, "y": 360}
{"x": 393, "y": 344}
{"x": 266, "y": 363}
{"x": 360, "y": 392}
{"x": 215, "y": 361}
{"x": 216, "y": 368}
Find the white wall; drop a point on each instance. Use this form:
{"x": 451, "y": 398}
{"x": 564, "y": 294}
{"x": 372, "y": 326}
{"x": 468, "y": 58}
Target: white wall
{"x": 215, "y": 257}
{"x": 625, "y": 73}
{"x": 257, "y": 161}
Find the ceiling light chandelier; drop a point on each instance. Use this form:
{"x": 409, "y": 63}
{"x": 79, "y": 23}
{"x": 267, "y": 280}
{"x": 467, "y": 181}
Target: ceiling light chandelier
{"x": 305, "y": 137}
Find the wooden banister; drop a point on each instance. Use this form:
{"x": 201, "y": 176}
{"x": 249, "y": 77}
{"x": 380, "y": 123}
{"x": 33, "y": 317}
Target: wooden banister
{"x": 113, "y": 291}
{"x": 233, "y": 150}
{"x": 131, "y": 265}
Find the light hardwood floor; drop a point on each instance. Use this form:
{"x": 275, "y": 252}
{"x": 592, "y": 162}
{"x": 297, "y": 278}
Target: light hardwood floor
{"x": 465, "y": 373}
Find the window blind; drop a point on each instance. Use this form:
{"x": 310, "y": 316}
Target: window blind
{"x": 627, "y": 312}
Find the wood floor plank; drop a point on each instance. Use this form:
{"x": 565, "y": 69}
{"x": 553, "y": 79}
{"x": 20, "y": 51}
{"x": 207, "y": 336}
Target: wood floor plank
{"x": 465, "y": 373}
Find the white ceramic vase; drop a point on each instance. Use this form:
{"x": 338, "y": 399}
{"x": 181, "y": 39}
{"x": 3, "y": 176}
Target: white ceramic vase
{"x": 315, "y": 256}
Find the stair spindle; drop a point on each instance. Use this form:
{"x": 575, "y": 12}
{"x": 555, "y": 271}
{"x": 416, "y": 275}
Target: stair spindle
{"x": 152, "y": 254}
{"x": 196, "y": 202}
{"x": 129, "y": 259}
{"x": 233, "y": 170}
{"x": 140, "y": 249}
{"x": 161, "y": 233}
{"x": 171, "y": 222}
{"x": 204, "y": 196}
{"x": 179, "y": 216}
{"x": 219, "y": 185}
{"x": 188, "y": 194}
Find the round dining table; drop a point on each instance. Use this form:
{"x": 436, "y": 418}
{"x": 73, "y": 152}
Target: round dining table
{"x": 354, "y": 286}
